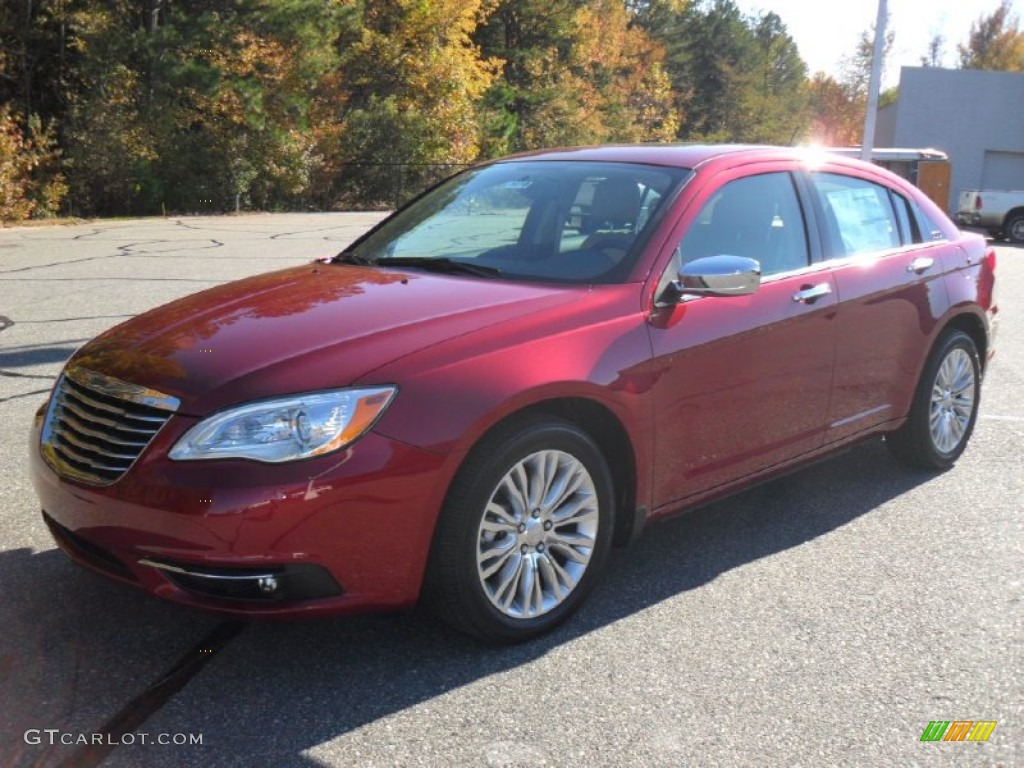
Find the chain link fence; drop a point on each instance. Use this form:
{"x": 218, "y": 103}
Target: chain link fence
{"x": 380, "y": 186}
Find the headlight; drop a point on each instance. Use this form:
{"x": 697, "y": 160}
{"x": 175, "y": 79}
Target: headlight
{"x": 286, "y": 428}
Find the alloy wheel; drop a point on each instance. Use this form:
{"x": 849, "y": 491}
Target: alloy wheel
{"x": 537, "y": 534}
{"x": 952, "y": 400}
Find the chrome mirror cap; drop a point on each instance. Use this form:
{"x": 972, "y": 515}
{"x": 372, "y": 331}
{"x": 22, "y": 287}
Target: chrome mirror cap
{"x": 719, "y": 276}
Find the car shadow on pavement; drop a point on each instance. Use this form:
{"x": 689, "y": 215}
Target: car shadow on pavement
{"x": 74, "y": 647}
{"x": 78, "y": 647}
{"x": 36, "y": 355}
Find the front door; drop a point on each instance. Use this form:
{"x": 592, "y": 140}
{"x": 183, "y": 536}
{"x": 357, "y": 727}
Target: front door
{"x": 743, "y": 383}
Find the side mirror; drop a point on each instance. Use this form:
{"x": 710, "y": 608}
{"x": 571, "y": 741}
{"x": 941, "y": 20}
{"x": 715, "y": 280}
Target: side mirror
{"x": 716, "y": 276}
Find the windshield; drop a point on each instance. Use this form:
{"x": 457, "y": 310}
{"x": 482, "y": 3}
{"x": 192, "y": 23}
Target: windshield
{"x": 565, "y": 221}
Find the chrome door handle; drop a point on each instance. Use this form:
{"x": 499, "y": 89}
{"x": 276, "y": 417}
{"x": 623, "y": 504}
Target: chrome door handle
{"x": 812, "y": 293}
{"x": 921, "y": 264}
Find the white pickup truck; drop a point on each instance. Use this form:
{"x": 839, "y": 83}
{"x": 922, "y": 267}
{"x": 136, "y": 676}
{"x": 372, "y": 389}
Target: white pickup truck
{"x": 1000, "y": 212}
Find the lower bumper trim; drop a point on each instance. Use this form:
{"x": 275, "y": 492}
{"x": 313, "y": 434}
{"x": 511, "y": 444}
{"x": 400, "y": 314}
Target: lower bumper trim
{"x": 295, "y": 581}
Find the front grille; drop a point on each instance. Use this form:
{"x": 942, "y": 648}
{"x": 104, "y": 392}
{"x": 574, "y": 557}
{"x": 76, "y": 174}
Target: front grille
{"x": 96, "y": 426}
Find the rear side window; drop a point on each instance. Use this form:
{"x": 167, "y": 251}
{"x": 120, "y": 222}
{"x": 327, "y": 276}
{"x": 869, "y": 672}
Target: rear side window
{"x": 758, "y": 217}
{"x": 859, "y": 217}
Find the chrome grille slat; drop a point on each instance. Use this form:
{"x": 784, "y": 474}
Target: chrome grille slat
{"x": 68, "y": 435}
{"x": 89, "y": 462}
{"x": 96, "y": 426}
{"x": 78, "y": 426}
{"x": 66, "y": 404}
{"x": 106, "y": 408}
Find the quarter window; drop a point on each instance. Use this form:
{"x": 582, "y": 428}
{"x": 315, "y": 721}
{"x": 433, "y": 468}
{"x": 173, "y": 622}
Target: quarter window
{"x": 929, "y": 230}
{"x": 758, "y": 217}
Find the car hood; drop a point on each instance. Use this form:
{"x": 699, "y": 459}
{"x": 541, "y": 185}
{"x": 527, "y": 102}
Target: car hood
{"x": 301, "y": 329}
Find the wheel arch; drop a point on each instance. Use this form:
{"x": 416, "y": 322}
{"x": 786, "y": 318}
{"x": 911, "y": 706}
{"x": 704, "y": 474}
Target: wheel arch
{"x": 1013, "y": 212}
{"x": 974, "y": 327}
{"x": 605, "y": 428}
{"x": 1008, "y": 220}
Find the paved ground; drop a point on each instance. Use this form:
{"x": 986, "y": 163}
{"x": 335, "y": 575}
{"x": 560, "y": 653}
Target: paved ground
{"x": 823, "y": 619}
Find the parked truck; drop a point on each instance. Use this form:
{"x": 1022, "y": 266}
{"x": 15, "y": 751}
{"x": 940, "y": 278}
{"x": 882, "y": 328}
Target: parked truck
{"x": 1000, "y": 212}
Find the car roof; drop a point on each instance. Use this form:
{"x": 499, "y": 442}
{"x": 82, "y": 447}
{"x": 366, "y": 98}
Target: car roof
{"x": 684, "y": 155}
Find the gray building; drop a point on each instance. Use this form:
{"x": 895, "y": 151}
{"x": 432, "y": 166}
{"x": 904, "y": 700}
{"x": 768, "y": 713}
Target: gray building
{"x": 976, "y": 117}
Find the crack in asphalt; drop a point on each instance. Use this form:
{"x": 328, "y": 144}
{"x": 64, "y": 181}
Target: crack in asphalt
{"x": 66, "y": 319}
{"x": 58, "y": 264}
{"x": 101, "y": 279}
{"x": 151, "y": 700}
{"x": 126, "y": 250}
{"x": 16, "y": 375}
{"x": 122, "y": 250}
{"x": 25, "y": 394}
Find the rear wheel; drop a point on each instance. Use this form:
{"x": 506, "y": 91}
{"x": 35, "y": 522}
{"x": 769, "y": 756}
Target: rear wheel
{"x": 524, "y": 532}
{"x": 945, "y": 406}
{"x": 1014, "y": 228}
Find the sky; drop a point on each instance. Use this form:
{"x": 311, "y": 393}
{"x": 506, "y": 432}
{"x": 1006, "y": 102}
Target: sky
{"x": 827, "y": 30}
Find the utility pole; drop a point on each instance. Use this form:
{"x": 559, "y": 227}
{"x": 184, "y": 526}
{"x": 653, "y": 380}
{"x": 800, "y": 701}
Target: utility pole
{"x": 867, "y": 143}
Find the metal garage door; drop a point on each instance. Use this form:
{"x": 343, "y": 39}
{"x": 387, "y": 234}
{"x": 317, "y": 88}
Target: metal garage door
{"x": 1003, "y": 170}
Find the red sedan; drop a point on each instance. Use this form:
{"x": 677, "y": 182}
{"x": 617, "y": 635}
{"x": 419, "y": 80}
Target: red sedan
{"x": 475, "y": 401}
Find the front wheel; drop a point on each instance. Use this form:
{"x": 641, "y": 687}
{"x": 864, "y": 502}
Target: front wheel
{"x": 524, "y": 532}
{"x": 945, "y": 406}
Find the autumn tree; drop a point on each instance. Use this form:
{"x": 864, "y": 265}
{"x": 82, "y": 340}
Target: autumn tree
{"x": 838, "y": 105}
{"x": 737, "y": 77}
{"x": 30, "y": 182}
{"x": 995, "y": 42}
{"x": 198, "y": 104}
{"x": 540, "y": 100}
{"x": 836, "y": 112}
{"x": 623, "y": 76}
{"x": 408, "y": 87}
{"x": 777, "y": 96}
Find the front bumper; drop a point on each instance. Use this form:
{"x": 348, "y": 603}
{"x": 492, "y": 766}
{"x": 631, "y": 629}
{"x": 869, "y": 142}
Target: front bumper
{"x": 344, "y": 533}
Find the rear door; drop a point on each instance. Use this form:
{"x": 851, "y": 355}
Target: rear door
{"x": 887, "y": 271}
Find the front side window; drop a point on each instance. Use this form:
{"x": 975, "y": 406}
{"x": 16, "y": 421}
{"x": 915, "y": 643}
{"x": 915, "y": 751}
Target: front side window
{"x": 758, "y": 217}
{"x": 859, "y": 216}
{"x": 561, "y": 221}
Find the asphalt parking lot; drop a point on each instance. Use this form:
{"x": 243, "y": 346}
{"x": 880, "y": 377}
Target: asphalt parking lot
{"x": 822, "y": 619}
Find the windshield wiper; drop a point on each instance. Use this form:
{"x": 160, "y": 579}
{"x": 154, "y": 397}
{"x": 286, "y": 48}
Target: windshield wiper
{"x": 350, "y": 257}
{"x": 440, "y": 264}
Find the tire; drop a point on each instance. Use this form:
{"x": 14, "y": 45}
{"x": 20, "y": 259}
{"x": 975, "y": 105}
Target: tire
{"x": 509, "y": 563}
{"x": 945, "y": 406}
{"x": 1014, "y": 229}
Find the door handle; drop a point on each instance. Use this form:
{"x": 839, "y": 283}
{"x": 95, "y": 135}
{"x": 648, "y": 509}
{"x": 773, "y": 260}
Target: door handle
{"x": 921, "y": 264}
{"x": 812, "y": 293}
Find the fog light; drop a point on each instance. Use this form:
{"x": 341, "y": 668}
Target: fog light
{"x": 267, "y": 584}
